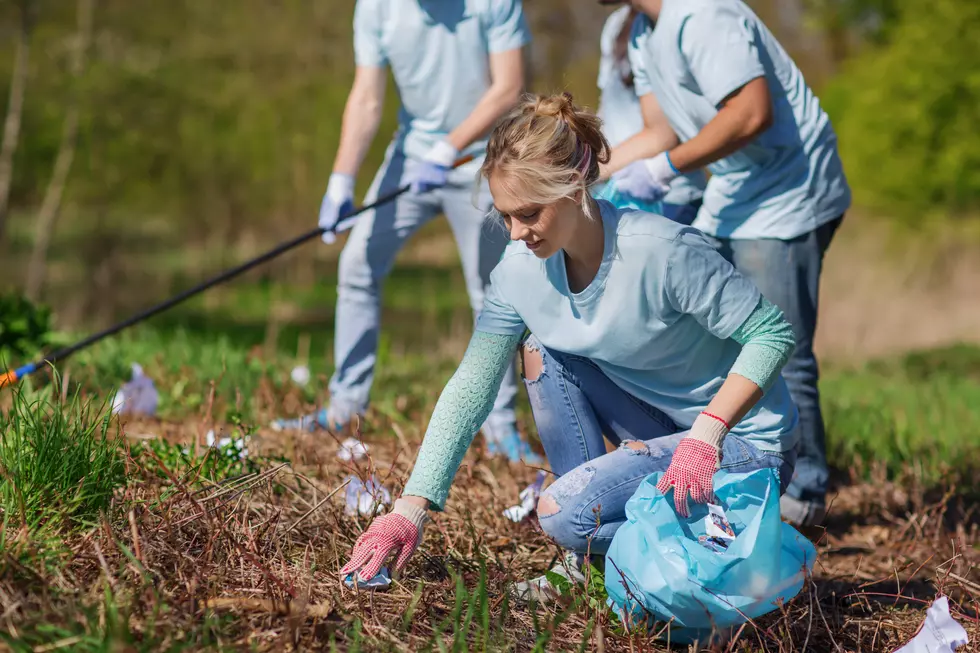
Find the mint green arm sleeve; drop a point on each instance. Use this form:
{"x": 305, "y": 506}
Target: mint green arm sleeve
{"x": 463, "y": 406}
{"x": 767, "y": 343}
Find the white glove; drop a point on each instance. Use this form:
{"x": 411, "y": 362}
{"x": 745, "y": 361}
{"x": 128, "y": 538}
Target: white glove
{"x": 337, "y": 201}
{"x": 433, "y": 170}
{"x": 661, "y": 170}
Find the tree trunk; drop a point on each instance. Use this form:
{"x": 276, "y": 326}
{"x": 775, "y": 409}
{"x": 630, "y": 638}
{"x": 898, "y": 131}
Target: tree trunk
{"x": 15, "y": 109}
{"x": 51, "y": 206}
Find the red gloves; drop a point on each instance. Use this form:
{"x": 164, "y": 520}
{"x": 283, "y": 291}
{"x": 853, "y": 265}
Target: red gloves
{"x": 695, "y": 461}
{"x": 398, "y": 532}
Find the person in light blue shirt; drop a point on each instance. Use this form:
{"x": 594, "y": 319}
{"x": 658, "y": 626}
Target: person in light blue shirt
{"x": 640, "y": 332}
{"x": 619, "y": 108}
{"x": 718, "y": 90}
{"x": 458, "y": 67}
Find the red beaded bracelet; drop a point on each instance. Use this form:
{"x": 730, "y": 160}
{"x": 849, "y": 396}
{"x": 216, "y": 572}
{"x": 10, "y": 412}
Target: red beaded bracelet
{"x": 727, "y": 426}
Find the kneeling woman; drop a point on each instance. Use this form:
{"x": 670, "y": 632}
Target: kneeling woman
{"x": 640, "y": 331}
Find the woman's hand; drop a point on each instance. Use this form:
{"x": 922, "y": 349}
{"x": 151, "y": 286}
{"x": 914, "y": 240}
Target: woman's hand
{"x": 399, "y": 532}
{"x": 695, "y": 461}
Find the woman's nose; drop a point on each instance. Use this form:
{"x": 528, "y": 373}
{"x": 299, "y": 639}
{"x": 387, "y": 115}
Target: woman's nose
{"x": 517, "y": 230}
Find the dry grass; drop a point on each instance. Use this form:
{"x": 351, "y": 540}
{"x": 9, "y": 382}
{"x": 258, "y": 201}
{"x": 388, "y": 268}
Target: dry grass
{"x": 251, "y": 564}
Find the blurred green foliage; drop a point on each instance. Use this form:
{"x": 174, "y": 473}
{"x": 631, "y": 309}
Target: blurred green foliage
{"x": 25, "y": 328}
{"x": 905, "y": 112}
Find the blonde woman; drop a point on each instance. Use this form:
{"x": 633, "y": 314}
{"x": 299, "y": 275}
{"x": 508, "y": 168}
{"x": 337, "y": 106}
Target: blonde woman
{"x": 640, "y": 332}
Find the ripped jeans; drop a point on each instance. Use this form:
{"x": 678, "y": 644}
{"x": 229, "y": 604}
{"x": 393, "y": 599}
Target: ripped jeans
{"x": 574, "y": 404}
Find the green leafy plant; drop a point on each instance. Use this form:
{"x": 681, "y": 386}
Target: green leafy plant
{"x": 25, "y": 328}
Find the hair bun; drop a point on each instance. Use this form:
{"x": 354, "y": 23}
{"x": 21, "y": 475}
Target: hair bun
{"x": 556, "y": 106}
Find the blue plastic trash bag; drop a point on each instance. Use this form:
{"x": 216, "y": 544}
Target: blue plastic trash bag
{"x": 608, "y": 192}
{"x": 674, "y": 575}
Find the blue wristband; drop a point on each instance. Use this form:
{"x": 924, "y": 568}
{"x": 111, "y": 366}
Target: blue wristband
{"x": 671, "y": 164}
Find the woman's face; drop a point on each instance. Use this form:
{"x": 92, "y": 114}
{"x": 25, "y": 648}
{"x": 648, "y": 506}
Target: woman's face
{"x": 544, "y": 228}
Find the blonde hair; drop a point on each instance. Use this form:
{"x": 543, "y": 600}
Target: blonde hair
{"x": 551, "y": 146}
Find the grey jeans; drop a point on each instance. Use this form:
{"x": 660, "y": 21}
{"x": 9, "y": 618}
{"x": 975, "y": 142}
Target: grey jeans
{"x": 787, "y": 272}
{"x": 369, "y": 254}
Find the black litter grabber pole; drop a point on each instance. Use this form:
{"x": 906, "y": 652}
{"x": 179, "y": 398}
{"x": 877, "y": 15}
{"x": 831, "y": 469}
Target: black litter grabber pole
{"x": 14, "y": 375}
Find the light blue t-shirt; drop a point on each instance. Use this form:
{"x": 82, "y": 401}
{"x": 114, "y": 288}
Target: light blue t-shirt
{"x": 657, "y": 319}
{"x": 789, "y": 180}
{"x": 438, "y": 51}
{"x": 619, "y": 108}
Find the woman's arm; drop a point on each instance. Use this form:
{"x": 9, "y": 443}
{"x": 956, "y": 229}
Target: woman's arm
{"x": 767, "y": 343}
{"x": 462, "y": 408}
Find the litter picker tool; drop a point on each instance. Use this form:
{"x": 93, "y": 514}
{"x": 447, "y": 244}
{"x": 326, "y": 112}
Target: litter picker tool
{"x": 15, "y": 374}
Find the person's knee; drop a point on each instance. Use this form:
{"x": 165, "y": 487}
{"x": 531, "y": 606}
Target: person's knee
{"x": 561, "y": 506}
{"x": 355, "y": 275}
{"x": 547, "y": 506}
{"x": 531, "y": 362}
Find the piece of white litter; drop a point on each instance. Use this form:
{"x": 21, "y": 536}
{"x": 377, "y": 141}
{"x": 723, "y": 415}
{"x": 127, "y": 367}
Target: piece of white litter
{"x": 138, "y": 396}
{"x": 367, "y": 498}
{"x": 718, "y": 533}
{"x": 352, "y": 449}
{"x": 940, "y": 633}
{"x": 529, "y": 500}
{"x": 300, "y": 375}
{"x": 380, "y": 582}
{"x": 222, "y": 443}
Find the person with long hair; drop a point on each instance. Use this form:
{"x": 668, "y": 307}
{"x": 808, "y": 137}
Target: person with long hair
{"x": 639, "y": 331}
{"x": 717, "y": 90}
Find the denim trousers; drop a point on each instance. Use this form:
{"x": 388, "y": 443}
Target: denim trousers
{"x": 574, "y": 405}
{"x": 682, "y": 213}
{"x": 787, "y": 272}
{"x": 369, "y": 255}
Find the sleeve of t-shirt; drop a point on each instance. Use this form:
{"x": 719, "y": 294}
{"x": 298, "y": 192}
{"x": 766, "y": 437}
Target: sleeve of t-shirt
{"x": 638, "y": 43}
{"x": 699, "y": 282}
{"x": 498, "y": 316}
{"x": 721, "y": 51}
{"x": 607, "y": 45}
{"x": 368, "y": 50}
{"x": 508, "y": 28}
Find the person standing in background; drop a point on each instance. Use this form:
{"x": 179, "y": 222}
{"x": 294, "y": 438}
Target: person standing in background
{"x": 458, "y": 67}
{"x": 619, "y": 109}
{"x": 737, "y": 103}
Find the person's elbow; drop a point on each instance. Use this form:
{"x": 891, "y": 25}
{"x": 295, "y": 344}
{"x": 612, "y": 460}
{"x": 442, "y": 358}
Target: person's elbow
{"x": 367, "y": 94}
{"x": 752, "y": 104}
{"x": 509, "y": 91}
{"x": 365, "y": 103}
{"x": 758, "y": 119}
{"x": 507, "y": 77}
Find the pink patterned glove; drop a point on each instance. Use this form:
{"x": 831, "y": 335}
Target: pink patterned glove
{"x": 695, "y": 461}
{"x": 400, "y": 531}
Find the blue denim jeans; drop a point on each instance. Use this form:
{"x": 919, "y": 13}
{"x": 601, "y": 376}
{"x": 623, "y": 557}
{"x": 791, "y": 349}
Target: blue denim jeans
{"x": 368, "y": 256}
{"x": 682, "y": 213}
{"x": 787, "y": 272}
{"x": 574, "y": 405}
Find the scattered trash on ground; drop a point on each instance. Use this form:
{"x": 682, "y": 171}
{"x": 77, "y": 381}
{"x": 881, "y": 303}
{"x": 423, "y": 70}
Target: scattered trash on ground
{"x": 138, "y": 396}
{"x": 380, "y": 582}
{"x": 940, "y": 633}
{"x": 352, "y": 449}
{"x": 367, "y": 498}
{"x": 300, "y": 375}
{"x": 223, "y": 443}
{"x": 529, "y": 500}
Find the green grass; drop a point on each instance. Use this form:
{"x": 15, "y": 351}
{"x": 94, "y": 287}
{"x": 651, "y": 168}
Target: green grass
{"x": 63, "y": 469}
{"x": 920, "y": 411}
{"x": 57, "y": 459}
